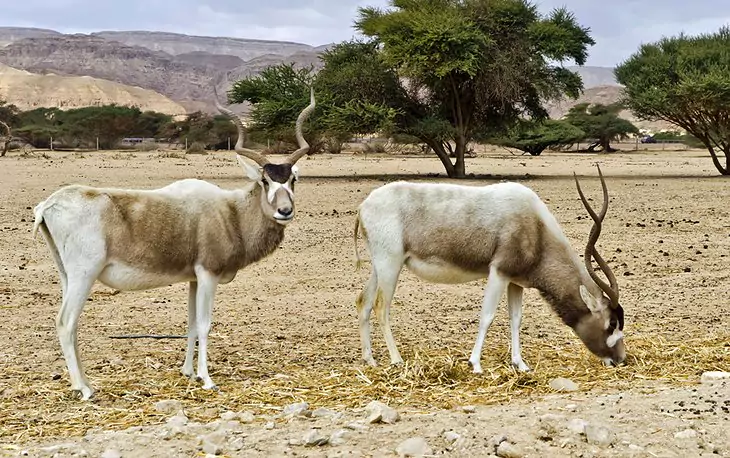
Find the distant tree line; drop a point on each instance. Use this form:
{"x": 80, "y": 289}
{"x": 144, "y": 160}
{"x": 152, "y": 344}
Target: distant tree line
{"x": 109, "y": 124}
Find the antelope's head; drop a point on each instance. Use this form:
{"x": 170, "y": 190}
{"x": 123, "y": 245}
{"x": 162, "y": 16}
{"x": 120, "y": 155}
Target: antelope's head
{"x": 276, "y": 180}
{"x": 601, "y": 330}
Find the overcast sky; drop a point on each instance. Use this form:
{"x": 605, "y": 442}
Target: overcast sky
{"x": 618, "y": 29}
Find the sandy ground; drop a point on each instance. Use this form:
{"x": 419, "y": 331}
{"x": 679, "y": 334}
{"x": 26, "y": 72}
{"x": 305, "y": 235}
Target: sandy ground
{"x": 667, "y": 237}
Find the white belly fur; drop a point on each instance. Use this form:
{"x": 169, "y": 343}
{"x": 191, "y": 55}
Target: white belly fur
{"x": 126, "y": 278}
{"x": 439, "y": 271}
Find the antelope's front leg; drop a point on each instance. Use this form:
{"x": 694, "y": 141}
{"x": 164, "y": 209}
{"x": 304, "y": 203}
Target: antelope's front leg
{"x": 187, "y": 367}
{"x": 207, "y": 284}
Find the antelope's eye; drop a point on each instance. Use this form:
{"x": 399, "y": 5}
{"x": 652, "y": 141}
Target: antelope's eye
{"x": 265, "y": 184}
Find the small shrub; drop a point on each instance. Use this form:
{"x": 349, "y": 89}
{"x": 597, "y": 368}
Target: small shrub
{"x": 197, "y": 148}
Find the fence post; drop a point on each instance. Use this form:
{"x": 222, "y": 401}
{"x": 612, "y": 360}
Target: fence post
{"x": 97, "y": 143}
{"x": 229, "y": 143}
{"x": 186, "y": 143}
{"x": 51, "y": 142}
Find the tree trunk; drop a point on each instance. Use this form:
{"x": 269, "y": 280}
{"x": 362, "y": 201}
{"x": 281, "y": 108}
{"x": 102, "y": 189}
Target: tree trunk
{"x": 460, "y": 166}
{"x": 716, "y": 160}
{"x": 443, "y": 155}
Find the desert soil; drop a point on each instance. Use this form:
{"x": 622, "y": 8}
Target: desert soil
{"x": 291, "y": 317}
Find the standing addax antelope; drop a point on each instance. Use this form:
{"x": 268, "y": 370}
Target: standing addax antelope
{"x": 189, "y": 231}
{"x": 446, "y": 233}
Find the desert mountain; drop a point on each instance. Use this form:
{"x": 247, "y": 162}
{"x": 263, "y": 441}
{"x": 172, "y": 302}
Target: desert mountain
{"x": 176, "y": 43}
{"x": 28, "y": 90}
{"x": 185, "y": 68}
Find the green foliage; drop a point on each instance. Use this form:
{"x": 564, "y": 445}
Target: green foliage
{"x": 534, "y": 137}
{"x": 473, "y": 68}
{"x": 8, "y": 113}
{"x": 601, "y": 123}
{"x": 686, "y": 81}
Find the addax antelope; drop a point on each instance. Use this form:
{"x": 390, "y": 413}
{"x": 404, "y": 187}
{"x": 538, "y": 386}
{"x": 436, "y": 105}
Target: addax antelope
{"x": 447, "y": 233}
{"x": 189, "y": 231}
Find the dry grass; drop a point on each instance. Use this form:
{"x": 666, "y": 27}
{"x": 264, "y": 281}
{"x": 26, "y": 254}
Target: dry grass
{"x": 36, "y": 408}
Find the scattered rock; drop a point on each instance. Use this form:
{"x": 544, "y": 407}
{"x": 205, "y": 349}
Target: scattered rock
{"x": 356, "y": 426}
{"x": 469, "y": 409}
{"x": 339, "y": 437}
{"x": 577, "y": 425}
{"x": 111, "y": 453}
{"x": 494, "y": 441}
{"x": 507, "y": 449}
{"x": 269, "y": 425}
{"x": 450, "y": 436}
{"x": 321, "y": 412}
{"x": 297, "y": 409}
{"x": 563, "y": 384}
{"x": 246, "y": 417}
{"x": 715, "y": 376}
{"x": 228, "y": 415}
{"x": 169, "y": 406}
{"x": 236, "y": 444}
{"x": 381, "y": 413}
{"x": 177, "y": 421}
{"x": 213, "y": 443}
{"x": 314, "y": 438}
{"x": 415, "y": 446}
{"x": 686, "y": 434}
{"x": 598, "y": 435}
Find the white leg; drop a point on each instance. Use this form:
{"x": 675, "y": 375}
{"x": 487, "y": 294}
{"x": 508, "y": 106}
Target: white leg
{"x": 187, "y": 368}
{"x": 77, "y": 290}
{"x": 364, "y": 304}
{"x": 496, "y": 285}
{"x": 514, "y": 304}
{"x": 387, "y": 276}
{"x": 207, "y": 284}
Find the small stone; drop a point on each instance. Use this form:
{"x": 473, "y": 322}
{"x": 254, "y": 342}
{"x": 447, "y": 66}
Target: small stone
{"x": 635, "y": 447}
{"x": 169, "y": 406}
{"x": 178, "y": 420}
{"x": 577, "y": 425}
{"x": 339, "y": 437}
{"x": 213, "y": 443}
{"x": 507, "y": 449}
{"x": 111, "y": 453}
{"x": 228, "y": 415}
{"x": 356, "y": 426}
{"x": 714, "y": 376}
{"x": 246, "y": 417}
{"x": 563, "y": 384}
{"x": 494, "y": 441}
{"x": 450, "y": 436}
{"x": 598, "y": 435}
{"x": 297, "y": 409}
{"x": 314, "y": 438}
{"x": 381, "y": 413}
{"x": 415, "y": 446}
{"x": 269, "y": 425}
{"x": 468, "y": 409}
{"x": 686, "y": 434}
{"x": 321, "y": 412}
{"x": 236, "y": 444}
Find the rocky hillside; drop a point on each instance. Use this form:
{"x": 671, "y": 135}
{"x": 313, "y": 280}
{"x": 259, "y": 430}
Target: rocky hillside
{"x": 29, "y": 90}
{"x": 175, "y": 43}
{"x": 10, "y": 34}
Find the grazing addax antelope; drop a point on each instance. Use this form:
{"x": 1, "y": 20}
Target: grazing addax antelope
{"x": 189, "y": 231}
{"x": 447, "y": 233}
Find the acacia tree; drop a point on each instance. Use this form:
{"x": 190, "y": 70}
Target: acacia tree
{"x": 472, "y": 67}
{"x": 685, "y": 81}
{"x": 535, "y": 137}
{"x": 601, "y": 123}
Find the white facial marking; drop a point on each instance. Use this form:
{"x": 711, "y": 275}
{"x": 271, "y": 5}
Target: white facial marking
{"x": 613, "y": 339}
{"x": 273, "y": 187}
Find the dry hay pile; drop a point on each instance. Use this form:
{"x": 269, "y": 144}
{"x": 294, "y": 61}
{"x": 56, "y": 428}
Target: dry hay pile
{"x": 429, "y": 379}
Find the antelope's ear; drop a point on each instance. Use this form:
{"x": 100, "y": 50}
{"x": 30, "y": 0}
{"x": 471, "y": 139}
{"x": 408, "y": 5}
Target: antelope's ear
{"x": 593, "y": 304}
{"x": 252, "y": 170}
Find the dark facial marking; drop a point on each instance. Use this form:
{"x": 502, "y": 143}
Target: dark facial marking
{"x": 278, "y": 172}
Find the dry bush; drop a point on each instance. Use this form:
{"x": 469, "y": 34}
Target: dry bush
{"x": 146, "y": 146}
{"x": 196, "y": 148}
{"x": 170, "y": 155}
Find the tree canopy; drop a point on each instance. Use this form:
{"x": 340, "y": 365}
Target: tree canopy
{"x": 472, "y": 68}
{"x": 601, "y": 123}
{"x": 535, "y": 137}
{"x": 684, "y": 80}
